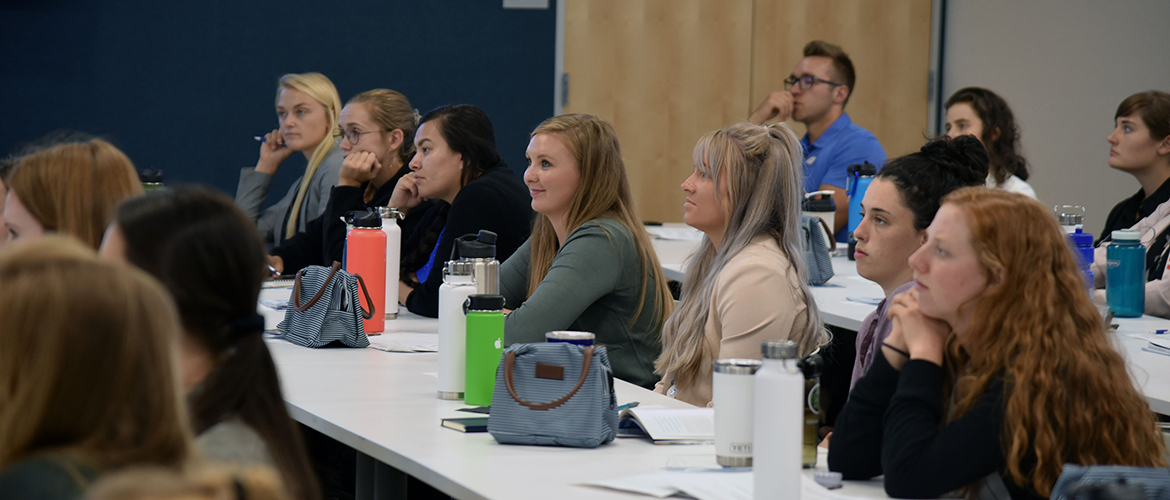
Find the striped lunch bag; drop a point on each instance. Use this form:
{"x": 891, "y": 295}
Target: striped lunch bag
{"x": 554, "y": 394}
{"x": 333, "y": 314}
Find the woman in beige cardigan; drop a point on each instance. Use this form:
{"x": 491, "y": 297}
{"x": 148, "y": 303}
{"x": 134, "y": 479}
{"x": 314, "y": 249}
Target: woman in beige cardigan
{"x": 746, "y": 282}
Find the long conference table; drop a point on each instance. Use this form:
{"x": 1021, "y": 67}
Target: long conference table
{"x": 384, "y": 405}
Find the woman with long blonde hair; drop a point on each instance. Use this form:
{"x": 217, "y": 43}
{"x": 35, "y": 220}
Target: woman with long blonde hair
{"x": 589, "y": 265}
{"x": 307, "y": 109}
{"x": 747, "y": 281}
{"x": 69, "y": 187}
{"x": 994, "y": 374}
{"x": 90, "y": 391}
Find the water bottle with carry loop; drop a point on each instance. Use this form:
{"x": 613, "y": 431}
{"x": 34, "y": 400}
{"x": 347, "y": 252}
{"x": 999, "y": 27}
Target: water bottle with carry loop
{"x": 457, "y": 286}
{"x": 365, "y": 255}
{"x": 1125, "y": 276}
{"x": 390, "y": 217}
{"x": 1072, "y": 218}
{"x": 479, "y": 251}
{"x": 857, "y": 183}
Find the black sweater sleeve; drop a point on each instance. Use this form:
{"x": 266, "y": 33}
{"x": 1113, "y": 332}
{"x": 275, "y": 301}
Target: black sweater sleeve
{"x": 891, "y": 425}
{"x": 922, "y": 460}
{"x": 323, "y": 239}
{"x": 498, "y": 202}
{"x": 855, "y": 449}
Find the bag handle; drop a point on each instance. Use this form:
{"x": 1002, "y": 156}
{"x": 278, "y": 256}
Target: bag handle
{"x": 510, "y": 360}
{"x": 313, "y": 301}
{"x": 829, "y": 231}
{"x": 370, "y": 314}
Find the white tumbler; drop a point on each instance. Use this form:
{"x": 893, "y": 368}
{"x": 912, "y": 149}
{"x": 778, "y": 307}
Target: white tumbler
{"x": 457, "y": 286}
{"x": 733, "y": 388}
{"x": 777, "y": 428}
{"x": 390, "y": 216}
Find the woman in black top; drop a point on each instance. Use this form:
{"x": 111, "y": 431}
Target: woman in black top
{"x": 993, "y": 374}
{"x": 456, "y": 161}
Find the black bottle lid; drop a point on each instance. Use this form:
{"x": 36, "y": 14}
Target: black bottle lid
{"x": 365, "y": 219}
{"x": 484, "y": 302}
{"x": 475, "y": 246}
{"x": 866, "y": 168}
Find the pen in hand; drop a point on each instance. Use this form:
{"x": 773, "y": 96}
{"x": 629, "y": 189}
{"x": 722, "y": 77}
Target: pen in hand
{"x": 260, "y": 138}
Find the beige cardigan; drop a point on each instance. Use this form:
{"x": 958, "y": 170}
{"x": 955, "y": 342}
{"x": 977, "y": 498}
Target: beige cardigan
{"x": 756, "y": 298}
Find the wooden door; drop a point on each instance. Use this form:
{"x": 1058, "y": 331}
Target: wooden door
{"x": 665, "y": 72}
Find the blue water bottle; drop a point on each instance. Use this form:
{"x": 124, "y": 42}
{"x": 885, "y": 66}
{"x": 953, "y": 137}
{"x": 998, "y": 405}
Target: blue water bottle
{"x": 857, "y": 182}
{"x": 1072, "y": 220}
{"x": 1125, "y": 277}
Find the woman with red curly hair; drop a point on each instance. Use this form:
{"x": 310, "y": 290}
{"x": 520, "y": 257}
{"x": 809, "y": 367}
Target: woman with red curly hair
{"x": 991, "y": 379}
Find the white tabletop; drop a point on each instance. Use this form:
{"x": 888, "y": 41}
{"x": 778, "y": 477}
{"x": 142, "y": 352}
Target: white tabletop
{"x": 384, "y": 405}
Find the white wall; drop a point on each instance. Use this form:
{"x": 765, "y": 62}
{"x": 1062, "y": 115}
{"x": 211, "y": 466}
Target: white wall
{"x": 1063, "y": 66}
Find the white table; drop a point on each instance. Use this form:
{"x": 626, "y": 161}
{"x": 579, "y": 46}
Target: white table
{"x": 1149, "y": 371}
{"x": 384, "y": 405}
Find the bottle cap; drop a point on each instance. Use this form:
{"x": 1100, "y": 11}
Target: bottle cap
{"x": 150, "y": 176}
{"x": 475, "y": 246}
{"x": 864, "y": 169}
{"x": 1126, "y": 235}
{"x": 390, "y": 213}
{"x": 484, "y": 302}
{"x": 825, "y": 204}
{"x": 811, "y": 366}
{"x": 459, "y": 268}
{"x": 737, "y": 366}
{"x": 364, "y": 219}
{"x": 1070, "y": 215}
{"x": 779, "y": 349}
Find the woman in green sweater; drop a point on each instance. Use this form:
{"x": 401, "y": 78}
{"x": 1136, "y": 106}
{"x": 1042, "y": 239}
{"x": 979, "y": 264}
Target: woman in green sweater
{"x": 589, "y": 265}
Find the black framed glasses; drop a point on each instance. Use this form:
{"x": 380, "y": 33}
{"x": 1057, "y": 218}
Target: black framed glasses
{"x": 352, "y": 136}
{"x": 806, "y": 82}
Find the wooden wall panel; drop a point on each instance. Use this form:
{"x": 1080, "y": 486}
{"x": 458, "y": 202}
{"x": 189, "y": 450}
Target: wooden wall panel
{"x": 888, "y": 41}
{"x": 664, "y": 72}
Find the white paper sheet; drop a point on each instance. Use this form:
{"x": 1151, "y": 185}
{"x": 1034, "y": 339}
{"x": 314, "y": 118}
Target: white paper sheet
{"x": 405, "y": 342}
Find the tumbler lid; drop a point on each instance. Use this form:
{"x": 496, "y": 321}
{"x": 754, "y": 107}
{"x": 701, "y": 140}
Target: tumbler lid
{"x": 737, "y": 366}
{"x": 485, "y": 302}
{"x": 779, "y": 349}
{"x": 1126, "y": 235}
{"x": 364, "y": 219}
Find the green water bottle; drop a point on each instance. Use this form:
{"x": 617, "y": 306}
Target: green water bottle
{"x": 485, "y": 345}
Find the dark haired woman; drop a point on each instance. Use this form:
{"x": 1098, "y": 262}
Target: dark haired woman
{"x": 193, "y": 240}
{"x": 985, "y": 115}
{"x": 1140, "y": 146}
{"x": 456, "y": 161}
{"x": 898, "y": 206}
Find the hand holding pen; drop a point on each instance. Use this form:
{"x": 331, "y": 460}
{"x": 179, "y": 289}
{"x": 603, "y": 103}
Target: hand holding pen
{"x": 273, "y": 152}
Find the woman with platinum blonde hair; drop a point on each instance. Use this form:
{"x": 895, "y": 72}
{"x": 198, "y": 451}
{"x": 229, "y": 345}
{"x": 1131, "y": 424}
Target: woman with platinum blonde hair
{"x": 747, "y": 282}
{"x": 307, "y": 109}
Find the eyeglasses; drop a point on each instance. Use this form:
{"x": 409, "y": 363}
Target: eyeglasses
{"x": 806, "y": 82}
{"x": 352, "y": 136}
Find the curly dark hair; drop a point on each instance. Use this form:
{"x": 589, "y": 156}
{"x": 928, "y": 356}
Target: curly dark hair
{"x": 1001, "y": 136}
{"x": 943, "y": 165}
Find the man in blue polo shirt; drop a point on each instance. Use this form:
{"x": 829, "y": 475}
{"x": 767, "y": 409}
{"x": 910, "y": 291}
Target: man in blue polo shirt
{"x": 815, "y": 94}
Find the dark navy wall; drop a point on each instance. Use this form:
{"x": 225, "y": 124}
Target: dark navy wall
{"x": 184, "y": 86}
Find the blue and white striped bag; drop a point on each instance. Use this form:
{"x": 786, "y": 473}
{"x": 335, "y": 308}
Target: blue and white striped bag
{"x": 334, "y": 313}
{"x": 554, "y": 394}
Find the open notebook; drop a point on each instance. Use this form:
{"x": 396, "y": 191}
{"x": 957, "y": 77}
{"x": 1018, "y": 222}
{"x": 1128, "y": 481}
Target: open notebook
{"x": 669, "y": 425}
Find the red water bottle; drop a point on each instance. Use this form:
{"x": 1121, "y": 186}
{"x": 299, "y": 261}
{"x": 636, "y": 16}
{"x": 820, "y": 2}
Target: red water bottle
{"x": 365, "y": 255}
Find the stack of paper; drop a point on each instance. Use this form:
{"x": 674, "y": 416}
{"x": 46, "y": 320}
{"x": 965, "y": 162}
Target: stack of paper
{"x": 1158, "y": 346}
{"x": 709, "y": 486}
